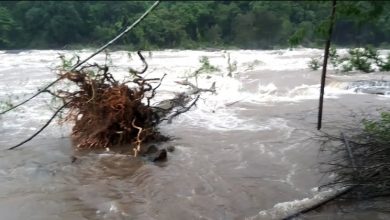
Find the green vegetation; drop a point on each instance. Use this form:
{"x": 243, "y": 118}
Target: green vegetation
{"x": 314, "y": 63}
{"x": 5, "y": 105}
{"x": 206, "y": 67}
{"x": 190, "y": 24}
{"x": 6, "y": 102}
{"x": 357, "y": 59}
{"x": 365, "y": 164}
{"x": 379, "y": 130}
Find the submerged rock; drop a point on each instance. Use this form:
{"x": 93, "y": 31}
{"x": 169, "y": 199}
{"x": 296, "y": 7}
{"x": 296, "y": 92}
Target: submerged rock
{"x": 160, "y": 155}
{"x": 151, "y": 149}
{"x": 375, "y": 91}
{"x": 154, "y": 154}
{"x": 377, "y": 87}
{"x": 171, "y": 148}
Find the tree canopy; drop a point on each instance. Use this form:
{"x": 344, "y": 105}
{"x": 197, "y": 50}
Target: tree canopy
{"x": 190, "y": 24}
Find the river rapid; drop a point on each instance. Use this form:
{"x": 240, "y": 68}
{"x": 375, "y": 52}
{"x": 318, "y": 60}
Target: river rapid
{"x": 246, "y": 152}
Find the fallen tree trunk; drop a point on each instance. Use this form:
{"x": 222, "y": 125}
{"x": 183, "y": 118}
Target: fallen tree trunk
{"x": 323, "y": 202}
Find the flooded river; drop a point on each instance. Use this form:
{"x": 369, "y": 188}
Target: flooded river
{"x": 246, "y": 152}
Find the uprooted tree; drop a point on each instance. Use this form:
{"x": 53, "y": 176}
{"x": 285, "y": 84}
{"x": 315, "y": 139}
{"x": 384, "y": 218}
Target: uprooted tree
{"x": 107, "y": 112}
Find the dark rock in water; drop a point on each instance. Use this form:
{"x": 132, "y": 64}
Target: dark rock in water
{"x": 153, "y": 153}
{"x": 376, "y": 87}
{"x": 376, "y": 91}
{"x": 73, "y": 158}
{"x": 371, "y": 83}
{"x": 171, "y": 148}
{"x": 151, "y": 149}
{"x": 160, "y": 155}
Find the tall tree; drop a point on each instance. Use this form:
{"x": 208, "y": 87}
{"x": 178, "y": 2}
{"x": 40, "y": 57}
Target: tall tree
{"x": 6, "y": 25}
{"x": 325, "y": 63}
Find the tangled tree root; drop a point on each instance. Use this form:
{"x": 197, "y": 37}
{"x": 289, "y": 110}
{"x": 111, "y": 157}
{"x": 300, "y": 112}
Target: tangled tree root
{"x": 107, "y": 113}
{"x": 110, "y": 115}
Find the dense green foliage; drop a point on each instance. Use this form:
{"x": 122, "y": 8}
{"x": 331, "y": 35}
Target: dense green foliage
{"x": 366, "y": 59}
{"x": 191, "y": 24}
{"x": 379, "y": 129}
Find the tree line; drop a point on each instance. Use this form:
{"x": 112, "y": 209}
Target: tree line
{"x": 191, "y": 24}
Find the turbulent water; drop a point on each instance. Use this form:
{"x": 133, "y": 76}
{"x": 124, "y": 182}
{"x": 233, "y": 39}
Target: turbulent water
{"x": 246, "y": 152}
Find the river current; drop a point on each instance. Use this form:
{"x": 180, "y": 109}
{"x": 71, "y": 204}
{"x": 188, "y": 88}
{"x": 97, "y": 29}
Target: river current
{"x": 246, "y": 152}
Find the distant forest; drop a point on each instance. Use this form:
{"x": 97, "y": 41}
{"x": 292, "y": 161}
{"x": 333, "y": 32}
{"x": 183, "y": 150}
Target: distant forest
{"x": 191, "y": 24}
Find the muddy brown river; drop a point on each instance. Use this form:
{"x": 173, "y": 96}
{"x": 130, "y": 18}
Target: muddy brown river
{"x": 247, "y": 152}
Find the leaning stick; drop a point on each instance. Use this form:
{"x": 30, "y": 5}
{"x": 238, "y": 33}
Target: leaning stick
{"x": 40, "y": 130}
{"x": 325, "y": 63}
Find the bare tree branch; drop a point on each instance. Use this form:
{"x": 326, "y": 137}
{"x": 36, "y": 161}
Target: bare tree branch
{"x": 40, "y": 130}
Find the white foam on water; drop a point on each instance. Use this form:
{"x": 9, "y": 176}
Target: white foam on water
{"x": 387, "y": 94}
{"x": 24, "y": 72}
{"x": 284, "y": 209}
{"x": 257, "y": 59}
{"x": 269, "y": 93}
{"x": 32, "y": 69}
{"x": 227, "y": 120}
